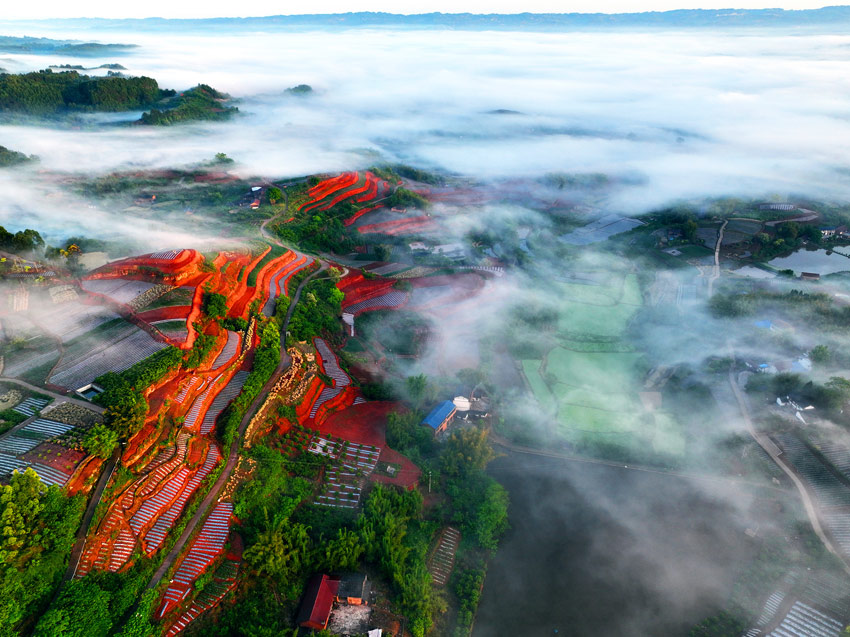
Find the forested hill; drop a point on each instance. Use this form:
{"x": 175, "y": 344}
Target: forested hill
{"x": 202, "y": 103}
{"x": 46, "y": 92}
{"x": 49, "y": 94}
{"x": 48, "y": 46}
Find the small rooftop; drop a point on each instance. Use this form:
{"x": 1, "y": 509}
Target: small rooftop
{"x": 354, "y": 585}
{"x": 439, "y": 414}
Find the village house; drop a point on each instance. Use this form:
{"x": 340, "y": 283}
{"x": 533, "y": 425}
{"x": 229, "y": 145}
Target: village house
{"x": 317, "y": 603}
{"x": 354, "y": 589}
{"x": 440, "y": 417}
{"x": 830, "y": 232}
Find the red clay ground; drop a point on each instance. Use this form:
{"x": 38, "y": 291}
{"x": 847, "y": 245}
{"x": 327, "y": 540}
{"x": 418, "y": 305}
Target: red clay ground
{"x": 408, "y": 225}
{"x": 185, "y": 266}
{"x": 91, "y": 467}
{"x": 172, "y": 312}
{"x": 367, "y": 424}
{"x": 358, "y": 288}
{"x": 347, "y": 186}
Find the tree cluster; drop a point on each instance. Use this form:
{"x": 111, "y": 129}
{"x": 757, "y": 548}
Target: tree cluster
{"x": 10, "y": 158}
{"x": 318, "y": 311}
{"x": 123, "y": 395}
{"x": 47, "y": 93}
{"x": 202, "y": 103}
{"x": 37, "y": 533}
{"x": 21, "y": 241}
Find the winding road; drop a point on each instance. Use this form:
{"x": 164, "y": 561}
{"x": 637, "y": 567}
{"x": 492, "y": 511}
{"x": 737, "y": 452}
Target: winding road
{"x": 776, "y": 455}
{"x": 233, "y": 456}
{"x": 715, "y": 272}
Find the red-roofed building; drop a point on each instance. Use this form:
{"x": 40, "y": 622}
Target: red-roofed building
{"x": 318, "y": 601}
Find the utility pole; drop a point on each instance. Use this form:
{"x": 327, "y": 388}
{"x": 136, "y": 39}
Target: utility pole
{"x": 429, "y": 481}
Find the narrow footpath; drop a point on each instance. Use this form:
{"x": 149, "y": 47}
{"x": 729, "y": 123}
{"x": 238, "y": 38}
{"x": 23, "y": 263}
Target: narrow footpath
{"x": 80, "y": 541}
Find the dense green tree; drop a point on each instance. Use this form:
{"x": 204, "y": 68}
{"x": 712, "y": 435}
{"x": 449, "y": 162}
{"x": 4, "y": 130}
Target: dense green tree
{"x": 13, "y": 158}
{"x": 20, "y": 242}
{"x": 721, "y": 625}
{"x": 82, "y": 610}
{"x": 126, "y": 407}
{"x": 100, "y": 441}
{"x": 47, "y": 93}
{"x": 406, "y": 434}
{"x": 480, "y": 506}
{"x": 275, "y": 194}
{"x": 341, "y": 553}
{"x": 404, "y": 198}
{"x": 731, "y": 305}
{"x": 201, "y": 103}
{"x": 37, "y": 527}
{"x": 689, "y": 230}
{"x": 467, "y": 451}
{"x": 214, "y": 305}
{"x": 318, "y": 312}
{"x": 281, "y": 551}
{"x": 417, "y": 389}
{"x": 820, "y": 354}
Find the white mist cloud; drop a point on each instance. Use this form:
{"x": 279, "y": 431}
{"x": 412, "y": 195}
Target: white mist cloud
{"x": 696, "y": 112}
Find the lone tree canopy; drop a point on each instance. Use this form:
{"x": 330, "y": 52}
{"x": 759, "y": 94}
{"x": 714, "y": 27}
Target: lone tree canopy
{"x": 214, "y": 305}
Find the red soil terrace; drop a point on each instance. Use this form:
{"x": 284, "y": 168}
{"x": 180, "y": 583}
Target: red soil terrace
{"x": 323, "y": 189}
{"x": 172, "y": 312}
{"x": 399, "y": 226}
{"x": 358, "y": 288}
{"x": 176, "y": 271}
{"x": 347, "y": 186}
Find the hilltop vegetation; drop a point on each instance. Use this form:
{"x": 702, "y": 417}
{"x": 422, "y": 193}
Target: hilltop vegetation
{"x": 202, "y": 103}
{"x": 48, "y": 46}
{"x": 48, "y": 93}
{"x": 10, "y": 158}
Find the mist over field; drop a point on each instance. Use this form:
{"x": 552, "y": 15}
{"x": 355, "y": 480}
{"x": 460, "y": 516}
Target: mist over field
{"x": 682, "y": 114}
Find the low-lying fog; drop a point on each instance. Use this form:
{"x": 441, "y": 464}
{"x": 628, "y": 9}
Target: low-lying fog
{"x": 692, "y": 112}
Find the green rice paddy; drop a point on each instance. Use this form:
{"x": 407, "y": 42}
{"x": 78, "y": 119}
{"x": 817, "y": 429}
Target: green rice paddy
{"x": 590, "y": 383}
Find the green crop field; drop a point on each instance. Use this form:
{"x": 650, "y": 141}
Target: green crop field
{"x": 668, "y": 438}
{"x": 581, "y": 397}
{"x": 591, "y": 381}
{"x": 531, "y": 369}
{"x": 596, "y": 310}
{"x": 600, "y": 372}
{"x": 588, "y": 419}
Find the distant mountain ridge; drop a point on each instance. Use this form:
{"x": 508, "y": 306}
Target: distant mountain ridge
{"x": 71, "y": 48}
{"x": 826, "y": 16}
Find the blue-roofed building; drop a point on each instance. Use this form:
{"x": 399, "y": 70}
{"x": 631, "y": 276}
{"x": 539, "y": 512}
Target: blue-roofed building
{"x": 440, "y": 416}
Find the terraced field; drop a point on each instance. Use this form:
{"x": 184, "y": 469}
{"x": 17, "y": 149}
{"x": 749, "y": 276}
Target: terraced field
{"x": 122, "y": 352}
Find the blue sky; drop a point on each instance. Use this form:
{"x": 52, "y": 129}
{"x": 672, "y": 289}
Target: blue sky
{"x": 217, "y": 8}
